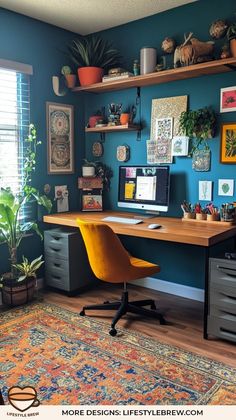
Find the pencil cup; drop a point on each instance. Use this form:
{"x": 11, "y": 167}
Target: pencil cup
{"x": 201, "y": 216}
{"x": 189, "y": 215}
{"x": 213, "y": 217}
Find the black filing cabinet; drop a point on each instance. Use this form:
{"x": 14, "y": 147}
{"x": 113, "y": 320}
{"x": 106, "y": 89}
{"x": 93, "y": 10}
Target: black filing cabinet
{"x": 222, "y": 299}
{"x": 66, "y": 262}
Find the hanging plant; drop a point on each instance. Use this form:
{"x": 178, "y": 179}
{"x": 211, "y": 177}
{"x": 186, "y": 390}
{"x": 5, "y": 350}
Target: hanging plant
{"x": 199, "y": 126}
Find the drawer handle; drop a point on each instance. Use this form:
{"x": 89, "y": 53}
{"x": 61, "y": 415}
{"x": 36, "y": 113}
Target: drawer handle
{"x": 57, "y": 277}
{"x": 57, "y": 265}
{"x": 55, "y": 250}
{"x": 57, "y": 238}
{"x": 227, "y": 270}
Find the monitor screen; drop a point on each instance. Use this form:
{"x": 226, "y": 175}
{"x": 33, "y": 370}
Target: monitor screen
{"x": 144, "y": 187}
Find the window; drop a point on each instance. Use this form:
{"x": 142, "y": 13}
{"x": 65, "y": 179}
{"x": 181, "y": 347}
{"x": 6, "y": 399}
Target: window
{"x": 14, "y": 124}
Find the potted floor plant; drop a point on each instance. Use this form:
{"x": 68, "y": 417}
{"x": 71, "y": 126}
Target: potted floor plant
{"x": 13, "y": 228}
{"x": 92, "y": 55}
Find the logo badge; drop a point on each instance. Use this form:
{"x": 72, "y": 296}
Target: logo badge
{"x": 23, "y": 398}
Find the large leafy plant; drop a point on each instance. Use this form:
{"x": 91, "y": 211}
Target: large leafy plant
{"x": 12, "y": 225}
{"x": 93, "y": 51}
{"x": 199, "y": 125}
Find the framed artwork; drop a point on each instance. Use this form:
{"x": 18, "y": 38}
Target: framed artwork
{"x": 205, "y": 190}
{"x": 60, "y": 138}
{"x": 226, "y": 187}
{"x": 228, "y": 143}
{"x": 91, "y": 201}
{"x": 228, "y": 99}
{"x": 180, "y": 146}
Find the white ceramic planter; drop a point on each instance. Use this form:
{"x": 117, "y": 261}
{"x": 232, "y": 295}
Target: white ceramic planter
{"x": 88, "y": 171}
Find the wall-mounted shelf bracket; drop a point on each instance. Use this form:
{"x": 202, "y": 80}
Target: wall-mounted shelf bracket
{"x": 138, "y": 95}
{"x": 102, "y": 137}
{"x": 231, "y": 67}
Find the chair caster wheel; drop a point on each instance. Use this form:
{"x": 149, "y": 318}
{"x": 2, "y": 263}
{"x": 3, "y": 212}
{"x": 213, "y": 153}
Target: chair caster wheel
{"x": 106, "y": 301}
{"x": 113, "y": 332}
{"x": 153, "y": 307}
{"x": 82, "y": 313}
{"x": 162, "y": 321}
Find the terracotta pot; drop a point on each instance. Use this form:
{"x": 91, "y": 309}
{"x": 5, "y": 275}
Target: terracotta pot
{"x": 124, "y": 118}
{"x": 70, "y": 80}
{"x": 233, "y": 47}
{"x": 90, "y": 75}
{"x": 93, "y": 120}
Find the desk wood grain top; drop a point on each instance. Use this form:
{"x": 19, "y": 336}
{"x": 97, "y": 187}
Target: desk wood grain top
{"x": 172, "y": 230}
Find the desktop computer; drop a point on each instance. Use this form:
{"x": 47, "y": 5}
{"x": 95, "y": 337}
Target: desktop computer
{"x": 144, "y": 187}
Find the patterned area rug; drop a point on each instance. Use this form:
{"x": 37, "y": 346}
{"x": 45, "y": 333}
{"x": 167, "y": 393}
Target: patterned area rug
{"x": 72, "y": 360}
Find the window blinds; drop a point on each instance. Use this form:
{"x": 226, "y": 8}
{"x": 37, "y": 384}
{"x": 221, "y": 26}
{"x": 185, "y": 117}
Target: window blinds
{"x": 14, "y": 125}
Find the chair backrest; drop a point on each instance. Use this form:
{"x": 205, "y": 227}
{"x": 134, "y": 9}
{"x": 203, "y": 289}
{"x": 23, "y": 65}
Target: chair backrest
{"x": 107, "y": 257}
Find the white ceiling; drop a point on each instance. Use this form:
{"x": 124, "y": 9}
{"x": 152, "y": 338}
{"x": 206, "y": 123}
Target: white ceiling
{"x": 88, "y": 16}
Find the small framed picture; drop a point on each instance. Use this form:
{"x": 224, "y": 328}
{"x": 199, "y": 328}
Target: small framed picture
{"x": 91, "y": 202}
{"x": 228, "y": 143}
{"x": 228, "y": 99}
{"x": 60, "y": 138}
{"x": 226, "y": 187}
{"x": 180, "y": 146}
{"x": 164, "y": 128}
{"x": 205, "y": 190}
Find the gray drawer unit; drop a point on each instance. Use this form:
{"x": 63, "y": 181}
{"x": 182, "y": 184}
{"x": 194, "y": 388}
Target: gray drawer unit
{"x": 222, "y": 299}
{"x": 66, "y": 262}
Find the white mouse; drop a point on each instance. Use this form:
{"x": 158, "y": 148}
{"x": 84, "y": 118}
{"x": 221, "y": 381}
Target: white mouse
{"x": 154, "y": 226}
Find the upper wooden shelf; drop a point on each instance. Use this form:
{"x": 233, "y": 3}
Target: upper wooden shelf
{"x": 112, "y": 128}
{"x": 165, "y": 76}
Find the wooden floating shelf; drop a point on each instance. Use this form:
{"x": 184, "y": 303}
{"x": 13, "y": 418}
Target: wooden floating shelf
{"x": 211, "y": 222}
{"x": 165, "y": 76}
{"x": 113, "y": 128}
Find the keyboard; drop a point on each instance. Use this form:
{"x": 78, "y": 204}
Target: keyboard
{"x": 125, "y": 220}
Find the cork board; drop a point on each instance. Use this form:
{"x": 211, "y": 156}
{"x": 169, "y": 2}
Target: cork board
{"x": 168, "y": 108}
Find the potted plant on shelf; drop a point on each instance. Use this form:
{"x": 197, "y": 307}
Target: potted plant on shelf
{"x": 199, "y": 125}
{"x": 12, "y": 226}
{"x": 69, "y": 76}
{"x": 92, "y": 55}
{"x": 231, "y": 35}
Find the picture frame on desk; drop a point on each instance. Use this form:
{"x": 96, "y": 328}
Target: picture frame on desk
{"x": 60, "y": 138}
{"x": 228, "y": 143}
{"x": 92, "y": 200}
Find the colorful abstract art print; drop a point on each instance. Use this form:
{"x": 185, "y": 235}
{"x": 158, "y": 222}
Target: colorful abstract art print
{"x": 164, "y": 128}
{"x": 60, "y": 138}
{"x": 180, "y": 146}
{"x": 228, "y": 143}
{"x": 228, "y": 99}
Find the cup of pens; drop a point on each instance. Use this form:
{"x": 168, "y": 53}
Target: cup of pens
{"x": 188, "y": 210}
{"x": 214, "y": 217}
{"x": 188, "y": 215}
{"x": 227, "y": 212}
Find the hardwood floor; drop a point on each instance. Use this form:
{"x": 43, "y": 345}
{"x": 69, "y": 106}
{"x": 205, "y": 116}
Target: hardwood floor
{"x": 184, "y": 319}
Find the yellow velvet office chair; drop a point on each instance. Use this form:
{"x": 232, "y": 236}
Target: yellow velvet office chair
{"x": 110, "y": 262}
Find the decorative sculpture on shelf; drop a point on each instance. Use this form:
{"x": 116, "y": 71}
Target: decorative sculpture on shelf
{"x": 193, "y": 51}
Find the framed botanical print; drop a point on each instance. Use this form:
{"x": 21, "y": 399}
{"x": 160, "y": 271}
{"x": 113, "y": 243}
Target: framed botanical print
{"x": 228, "y": 143}
{"x": 60, "y": 138}
{"x": 228, "y": 99}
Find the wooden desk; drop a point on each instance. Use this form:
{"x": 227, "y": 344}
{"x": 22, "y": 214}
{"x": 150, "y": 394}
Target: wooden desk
{"x": 173, "y": 230}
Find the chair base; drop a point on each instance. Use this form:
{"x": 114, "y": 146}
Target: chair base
{"x": 124, "y": 306}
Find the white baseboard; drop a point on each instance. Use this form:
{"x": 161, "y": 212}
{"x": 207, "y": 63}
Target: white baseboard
{"x": 171, "y": 288}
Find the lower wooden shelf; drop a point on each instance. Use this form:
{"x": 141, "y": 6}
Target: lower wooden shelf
{"x": 113, "y": 128}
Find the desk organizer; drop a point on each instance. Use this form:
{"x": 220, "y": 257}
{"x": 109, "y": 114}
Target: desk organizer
{"x": 212, "y": 222}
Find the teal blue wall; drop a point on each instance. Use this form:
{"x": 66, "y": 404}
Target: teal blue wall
{"x": 203, "y": 91}
{"x": 30, "y": 41}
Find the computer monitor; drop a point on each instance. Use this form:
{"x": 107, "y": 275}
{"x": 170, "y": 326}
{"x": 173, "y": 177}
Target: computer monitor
{"x": 144, "y": 187}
